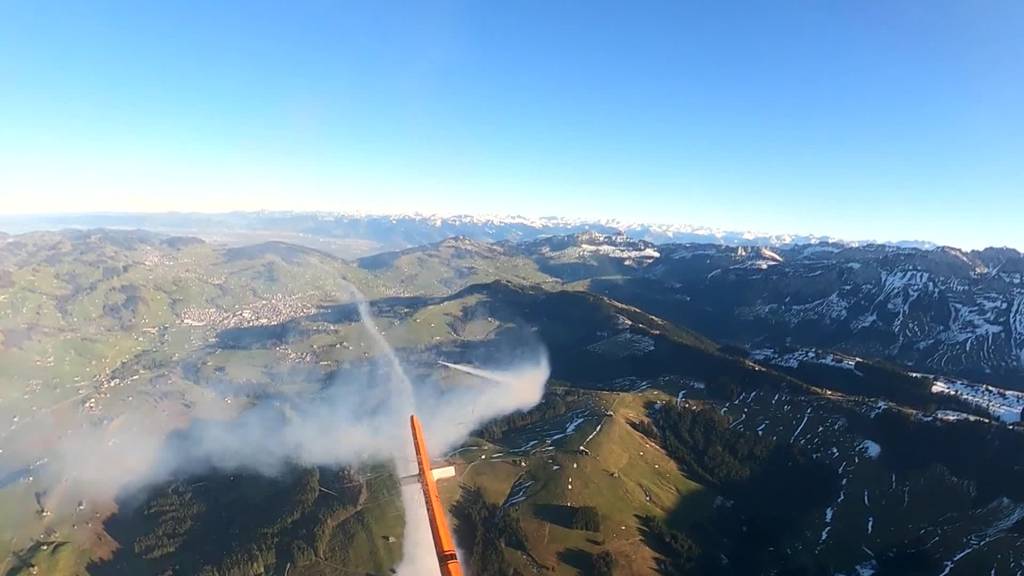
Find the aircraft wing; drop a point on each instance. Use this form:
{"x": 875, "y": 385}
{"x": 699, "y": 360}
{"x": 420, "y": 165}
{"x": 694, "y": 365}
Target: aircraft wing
{"x": 444, "y": 544}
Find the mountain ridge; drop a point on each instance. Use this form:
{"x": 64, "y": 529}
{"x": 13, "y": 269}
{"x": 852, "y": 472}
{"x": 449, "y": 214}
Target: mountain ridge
{"x": 941, "y": 310}
{"x": 384, "y": 232}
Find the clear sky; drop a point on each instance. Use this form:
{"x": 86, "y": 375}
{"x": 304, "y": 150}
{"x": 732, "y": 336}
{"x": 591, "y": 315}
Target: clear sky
{"x": 879, "y": 119}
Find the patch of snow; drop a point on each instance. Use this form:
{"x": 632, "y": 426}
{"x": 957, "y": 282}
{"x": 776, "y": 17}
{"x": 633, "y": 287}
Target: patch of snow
{"x": 570, "y": 428}
{"x": 1006, "y": 405}
{"x": 872, "y": 449}
{"x": 864, "y": 321}
{"x": 801, "y": 426}
{"x": 623, "y": 253}
{"x": 517, "y": 493}
{"x": 833, "y": 307}
{"x": 794, "y": 359}
{"x": 526, "y": 446}
{"x": 828, "y": 524}
{"x": 878, "y": 408}
{"x": 1017, "y": 328}
{"x": 867, "y": 568}
{"x": 761, "y": 264}
{"x": 953, "y": 416}
{"x": 592, "y": 434}
{"x": 770, "y": 255}
{"x": 971, "y": 322}
{"x": 900, "y": 288}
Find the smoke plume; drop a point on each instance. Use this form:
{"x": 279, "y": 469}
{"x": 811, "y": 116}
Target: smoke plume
{"x": 362, "y": 415}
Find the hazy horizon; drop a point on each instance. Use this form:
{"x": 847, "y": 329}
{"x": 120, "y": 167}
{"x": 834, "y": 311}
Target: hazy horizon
{"x": 18, "y": 223}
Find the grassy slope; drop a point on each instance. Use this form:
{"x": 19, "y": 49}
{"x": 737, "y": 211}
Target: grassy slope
{"x": 79, "y": 310}
{"x": 622, "y": 464}
{"x": 449, "y": 266}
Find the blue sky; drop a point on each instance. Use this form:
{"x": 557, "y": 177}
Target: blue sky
{"x": 883, "y": 120}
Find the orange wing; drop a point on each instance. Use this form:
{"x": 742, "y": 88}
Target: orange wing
{"x": 443, "y": 542}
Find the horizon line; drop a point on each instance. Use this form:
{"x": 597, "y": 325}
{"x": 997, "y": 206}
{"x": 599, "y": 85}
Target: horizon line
{"x": 679, "y": 227}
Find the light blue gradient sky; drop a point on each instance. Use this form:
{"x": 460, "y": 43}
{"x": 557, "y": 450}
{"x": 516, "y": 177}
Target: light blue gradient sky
{"x": 885, "y": 120}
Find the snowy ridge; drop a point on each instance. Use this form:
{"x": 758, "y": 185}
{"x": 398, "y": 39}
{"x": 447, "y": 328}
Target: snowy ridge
{"x": 1017, "y": 327}
{"x": 951, "y": 311}
{"x": 899, "y": 290}
{"x": 356, "y": 224}
{"x": 954, "y": 416}
{"x": 833, "y": 308}
{"x": 1005, "y": 405}
{"x": 593, "y": 247}
{"x": 794, "y": 359}
{"x": 646, "y": 254}
{"x": 656, "y": 232}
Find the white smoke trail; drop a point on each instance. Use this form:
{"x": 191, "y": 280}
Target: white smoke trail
{"x": 491, "y": 375}
{"x": 361, "y": 416}
{"x": 418, "y": 555}
{"x": 403, "y": 387}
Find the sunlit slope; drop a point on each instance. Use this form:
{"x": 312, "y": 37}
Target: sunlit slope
{"x": 623, "y": 475}
{"x": 450, "y": 265}
{"x": 75, "y": 305}
{"x": 95, "y": 325}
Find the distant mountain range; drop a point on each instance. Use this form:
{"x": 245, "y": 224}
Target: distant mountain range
{"x": 940, "y": 309}
{"x": 937, "y": 309}
{"x": 355, "y": 235}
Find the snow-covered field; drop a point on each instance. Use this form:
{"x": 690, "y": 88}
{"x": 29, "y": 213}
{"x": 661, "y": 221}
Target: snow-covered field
{"x": 620, "y": 252}
{"x": 794, "y": 359}
{"x": 870, "y": 449}
{"x": 1006, "y": 405}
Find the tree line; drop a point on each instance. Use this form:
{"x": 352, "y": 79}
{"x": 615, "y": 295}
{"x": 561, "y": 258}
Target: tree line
{"x": 768, "y": 490}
